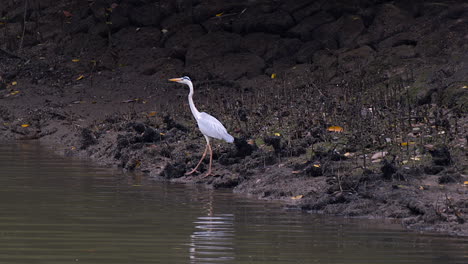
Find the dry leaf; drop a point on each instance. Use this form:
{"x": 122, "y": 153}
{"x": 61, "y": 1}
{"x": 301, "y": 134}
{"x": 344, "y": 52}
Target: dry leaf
{"x": 465, "y": 183}
{"x": 277, "y": 134}
{"x": 76, "y": 60}
{"x": 407, "y": 143}
{"x": 80, "y": 77}
{"x": 14, "y": 92}
{"x": 296, "y": 172}
{"x": 335, "y": 129}
{"x": 24, "y": 125}
{"x": 14, "y": 83}
{"x": 316, "y": 165}
{"x": 273, "y": 75}
{"x": 297, "y": 197}
{"x": 219, "y": 14}
{"x": 151, "y": 114}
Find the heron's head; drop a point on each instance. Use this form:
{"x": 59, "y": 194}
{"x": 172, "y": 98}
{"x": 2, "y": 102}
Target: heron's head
{"x": 185, "y": 80}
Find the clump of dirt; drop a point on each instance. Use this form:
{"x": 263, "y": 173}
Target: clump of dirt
{"x": 354, "y": 108}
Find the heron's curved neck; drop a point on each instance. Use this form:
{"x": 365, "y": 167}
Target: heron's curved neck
{"x": 194, "y": 110}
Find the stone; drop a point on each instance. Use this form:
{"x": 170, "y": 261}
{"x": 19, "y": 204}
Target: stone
{"x": 389, "y": 20}
{"x": 304, "y": 30}
{"x": 307, "y": 51}
{"x": 212, "y": 44}
{"x": 251, "y": 21}
{"x": 145, "y": 15}
{"x": 355, "y": 59}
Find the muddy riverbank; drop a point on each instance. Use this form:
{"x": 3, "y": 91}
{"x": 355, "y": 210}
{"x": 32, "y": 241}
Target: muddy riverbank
{"x": 352, "y": 108}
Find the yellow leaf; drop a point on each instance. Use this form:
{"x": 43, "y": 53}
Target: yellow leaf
{"x": 465, "y": 183}
{"x": 109, "y": 23}
{"x": 14, "y": 92}
{"x": 80, "y": 77}
{"x": 317, "y": 165}
{"x": 407, "y": 143}
{"x": 335, "y": 129}
{"x": 273, "y": 75}
{"x": 277, "y": 134}
{"x": 73, "y": 148}
{"x": 14, "y": 83}
{"x": 162, "y": 134}
{"x": 151, "y": 114}
{"x": 24, "y": 125}
{"x": 76, "y": 60}
{"x": 219, "y": 14}
{"x": 465, "y": 86}
{"x": 297, "y": 197}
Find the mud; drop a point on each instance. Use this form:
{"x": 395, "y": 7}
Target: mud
{"x": 353, "y": 108}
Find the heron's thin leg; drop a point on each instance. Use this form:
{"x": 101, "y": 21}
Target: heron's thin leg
{"x": 196, "y": 167}
{"x": 211, "y": 160}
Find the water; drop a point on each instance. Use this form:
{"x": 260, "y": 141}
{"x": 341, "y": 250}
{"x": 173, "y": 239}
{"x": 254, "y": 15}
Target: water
{"x": 58, "y": 210}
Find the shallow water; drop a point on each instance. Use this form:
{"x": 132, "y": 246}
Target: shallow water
{"x": 59, "y": 210}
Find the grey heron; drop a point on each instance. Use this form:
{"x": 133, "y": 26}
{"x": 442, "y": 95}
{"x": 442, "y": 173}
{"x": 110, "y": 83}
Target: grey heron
{"x": 208, "y": 125}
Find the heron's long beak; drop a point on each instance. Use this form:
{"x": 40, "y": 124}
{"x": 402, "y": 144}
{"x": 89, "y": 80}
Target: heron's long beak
{"x": 175, "y": 79}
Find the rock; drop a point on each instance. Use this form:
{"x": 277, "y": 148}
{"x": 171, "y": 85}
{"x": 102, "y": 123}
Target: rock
{"x": 307, "y": 51}
{"x": 432, "y": 8}
{"x": 176, "y": 21}
{"x": 441, "y": 155}
{"x": 305, "y": 11}
{"x": 229, "y": 67}
{"x": 145, "y": 15}
{"x": 356, "y": 58}
{"x": 449, "y": 178}
{"x": 251, "y": 21}
{"x": 212, "y": 45}
{"x": 208, "y": 9}
{"x": 281, "y": 48}
{"x": 88, "y": 138}
{"x": 258, "y": 43}
{"x": 324, "y": 59}
{"x": 131, "y": 37}
{"x": 403, "y": 52}
{"x": 433, "y": 170}
{"x": 351, "y": 27}
{"x": 403, "y": 38}
{"x": 181, "y": 39}
{"x": 389, "y": 20}
{"x": 304, "y": 30}
{"x": 173, "y": 170}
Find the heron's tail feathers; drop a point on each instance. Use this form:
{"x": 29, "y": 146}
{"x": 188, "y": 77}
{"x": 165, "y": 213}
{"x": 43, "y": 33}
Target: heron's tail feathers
{"x": 228, "y": 138}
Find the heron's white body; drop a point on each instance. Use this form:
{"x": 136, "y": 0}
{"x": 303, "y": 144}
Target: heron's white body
{"x": 211, "y": 127}
{"x": 208, "y": 124}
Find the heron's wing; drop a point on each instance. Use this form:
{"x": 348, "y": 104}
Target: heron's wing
{"x": 211, "y": 127}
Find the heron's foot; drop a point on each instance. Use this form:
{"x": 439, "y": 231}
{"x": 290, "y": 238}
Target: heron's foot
{"x": 191, "y": 172}
{"x": 207, "y": 174}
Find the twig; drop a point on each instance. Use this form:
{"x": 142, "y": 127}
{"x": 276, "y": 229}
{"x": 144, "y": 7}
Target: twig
{"x": 24, "y": 25}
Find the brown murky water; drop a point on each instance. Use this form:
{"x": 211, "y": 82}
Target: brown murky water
{"x": 58, "y": 210}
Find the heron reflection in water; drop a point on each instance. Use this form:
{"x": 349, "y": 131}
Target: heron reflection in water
{"x": 212, "y": 241}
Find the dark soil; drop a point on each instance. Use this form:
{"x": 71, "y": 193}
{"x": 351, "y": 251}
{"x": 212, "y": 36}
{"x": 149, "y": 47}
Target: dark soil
{"x": 353, "y": 108}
